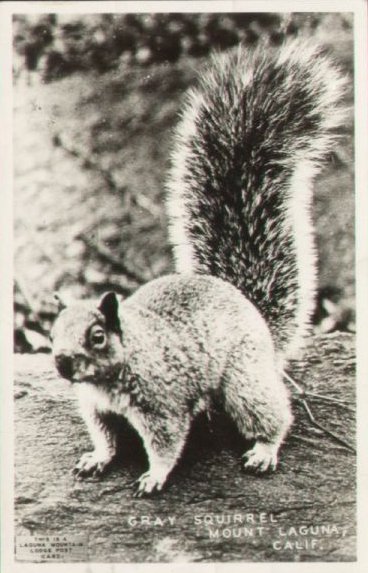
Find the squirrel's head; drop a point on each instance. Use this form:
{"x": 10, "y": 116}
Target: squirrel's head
{"x": 86, "y": 340}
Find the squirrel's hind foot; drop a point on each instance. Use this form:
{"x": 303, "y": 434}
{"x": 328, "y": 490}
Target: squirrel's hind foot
{"x": 91, "y": 464}
{"x": 148, "y": 484}
{"x": 261, "y": 458}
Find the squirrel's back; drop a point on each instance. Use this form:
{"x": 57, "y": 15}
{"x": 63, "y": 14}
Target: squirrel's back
{"x": 250, "y": 141}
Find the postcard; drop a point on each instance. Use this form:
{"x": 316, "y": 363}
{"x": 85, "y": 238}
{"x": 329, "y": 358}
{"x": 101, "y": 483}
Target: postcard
{"x": 184, "y": 262}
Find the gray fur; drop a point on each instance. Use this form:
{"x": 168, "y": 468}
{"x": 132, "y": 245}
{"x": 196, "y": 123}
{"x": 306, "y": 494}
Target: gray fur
{"x": 250, "y": 141}
{"x": 185, "y": 340}
{"x": 248, "y": 146}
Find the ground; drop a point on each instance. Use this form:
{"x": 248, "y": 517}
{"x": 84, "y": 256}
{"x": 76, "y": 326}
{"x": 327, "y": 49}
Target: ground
{"x": 306, "y": 509}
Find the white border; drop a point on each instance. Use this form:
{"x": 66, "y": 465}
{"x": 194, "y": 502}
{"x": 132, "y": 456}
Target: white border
{"x": 6, "y": 286}
{"x": 99, "y": 7}
{"x": 361, "y": 261}
{"x": 359, "y": 7}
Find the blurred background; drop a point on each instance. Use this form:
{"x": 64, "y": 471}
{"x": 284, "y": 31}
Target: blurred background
{"x": 96, "y": 100}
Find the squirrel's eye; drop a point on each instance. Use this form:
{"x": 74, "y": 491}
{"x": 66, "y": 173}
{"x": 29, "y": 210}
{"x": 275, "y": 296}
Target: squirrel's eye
{"x": 97, "y": 337}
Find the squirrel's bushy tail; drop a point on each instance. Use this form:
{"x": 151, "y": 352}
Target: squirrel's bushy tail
{"x": 250, "y": 141}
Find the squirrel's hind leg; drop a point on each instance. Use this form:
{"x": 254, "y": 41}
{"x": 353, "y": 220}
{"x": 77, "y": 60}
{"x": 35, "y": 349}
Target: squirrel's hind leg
{"x": 257, "y": 400}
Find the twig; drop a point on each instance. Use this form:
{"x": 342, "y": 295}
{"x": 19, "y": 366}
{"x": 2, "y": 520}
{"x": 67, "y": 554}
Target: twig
{"x": 341, "y": 403}
{"x": 142, "y": 202}
{"x": 87, "y": 163}
{"x": 325, "y": 430}
{"x": 106, "y": 256}
{"x": 302, "y": 393}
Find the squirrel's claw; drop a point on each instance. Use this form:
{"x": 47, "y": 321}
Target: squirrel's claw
{"x": 261, "y": 458}
{"x": 147, "y": 484}
{"x": 90, "y": 465}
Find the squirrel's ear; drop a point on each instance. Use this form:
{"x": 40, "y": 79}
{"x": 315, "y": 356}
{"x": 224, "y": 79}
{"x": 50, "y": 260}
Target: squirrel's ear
{"x": 109, "y": 306}
{"x": 60, "y": 302}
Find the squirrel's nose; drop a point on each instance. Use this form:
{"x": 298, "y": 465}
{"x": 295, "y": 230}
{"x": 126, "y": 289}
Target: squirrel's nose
{"x": 64, "y": 364}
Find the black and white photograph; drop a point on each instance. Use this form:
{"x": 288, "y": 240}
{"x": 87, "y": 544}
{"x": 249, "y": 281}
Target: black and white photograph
{"x": 185, "y": 257}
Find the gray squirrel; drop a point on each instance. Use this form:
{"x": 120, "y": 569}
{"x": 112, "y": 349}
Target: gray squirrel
{"x": 250, "y": 141}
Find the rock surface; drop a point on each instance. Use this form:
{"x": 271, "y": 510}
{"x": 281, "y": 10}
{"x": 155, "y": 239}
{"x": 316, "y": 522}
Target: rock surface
{"x": 210, "y": 511}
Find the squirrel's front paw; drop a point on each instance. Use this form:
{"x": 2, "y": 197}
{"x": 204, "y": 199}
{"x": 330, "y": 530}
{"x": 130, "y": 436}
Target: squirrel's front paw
{"x": 261, "y": 458}
{"x": 148, "y": 484}
{"x": 91, "y": 464}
